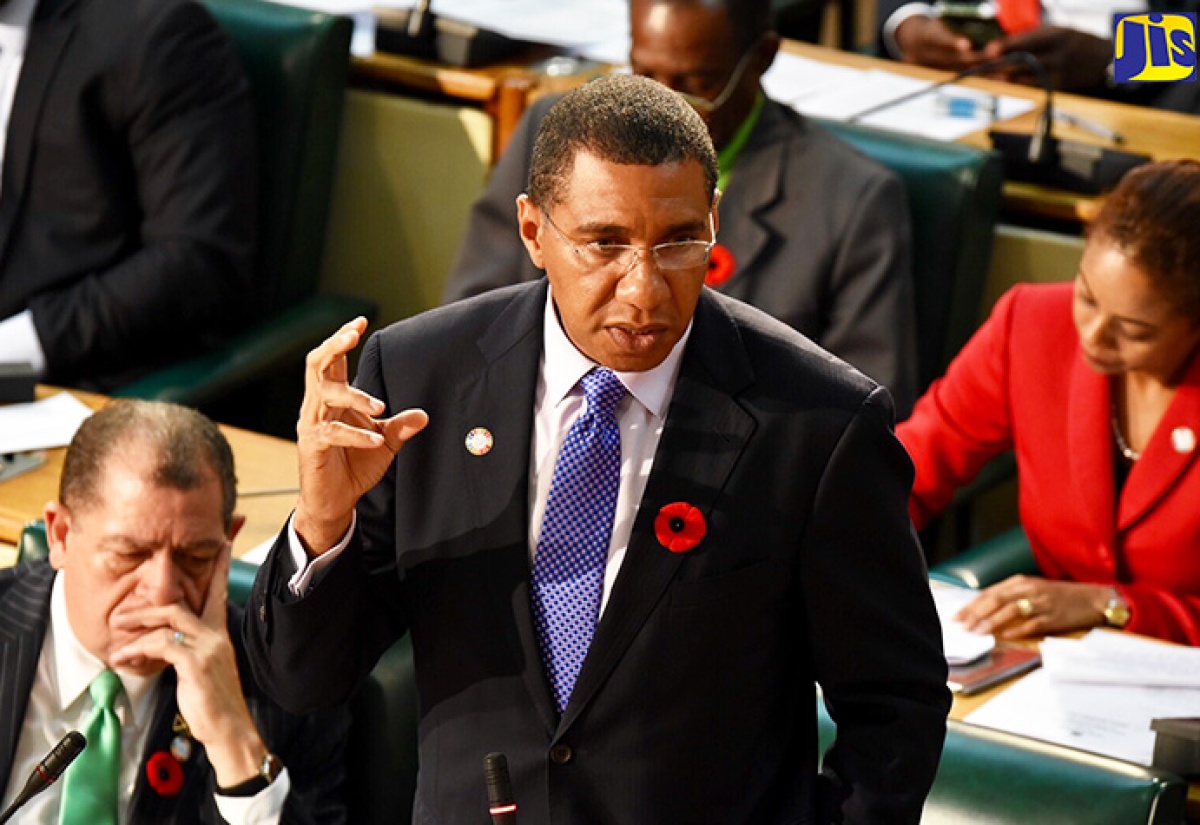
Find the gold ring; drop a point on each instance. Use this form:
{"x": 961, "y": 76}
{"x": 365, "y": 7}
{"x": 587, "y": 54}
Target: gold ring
{"x": 1024, "y": 607}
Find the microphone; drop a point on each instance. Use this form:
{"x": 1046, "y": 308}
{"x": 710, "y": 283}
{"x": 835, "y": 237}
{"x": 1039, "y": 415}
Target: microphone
{"x": 501, "y": 804}
{"x": 47, "y": 771}
{"x": 1037, "y": 143}
{"x": 1039, "y": 157}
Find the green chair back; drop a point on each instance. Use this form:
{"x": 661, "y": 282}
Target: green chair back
{"x": 954, "y": 196}
{"x": 32, "y": 545}
{"x": 297, "y": 62}
{"x": 993, "y": 777}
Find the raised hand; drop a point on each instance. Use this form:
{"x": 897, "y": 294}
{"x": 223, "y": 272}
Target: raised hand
{"x": 344, "y": 449}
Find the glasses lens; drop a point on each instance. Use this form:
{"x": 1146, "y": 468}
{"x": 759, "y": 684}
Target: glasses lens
{"x": 682, "y": 255}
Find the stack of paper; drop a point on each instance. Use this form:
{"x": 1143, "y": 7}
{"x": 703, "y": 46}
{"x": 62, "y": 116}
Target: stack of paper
{"x": 1099, "y": 694}
{"x": 41, "y": 425}
{"x": 962, "y": 646}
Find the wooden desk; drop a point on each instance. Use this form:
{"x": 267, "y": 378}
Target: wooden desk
{"x": 503, "y": 90}
{"x": 1161, "y": 135}
{"x": 264, "y": 465}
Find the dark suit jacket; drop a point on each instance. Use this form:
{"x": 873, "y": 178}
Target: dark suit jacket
{"x": 819, "y": 231}
{"x": 696, "y": 700}
{"x": 127, "y": 213}
{"x": 311, "y": 748}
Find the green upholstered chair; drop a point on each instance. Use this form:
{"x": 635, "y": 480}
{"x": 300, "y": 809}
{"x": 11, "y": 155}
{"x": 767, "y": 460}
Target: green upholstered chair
{"x": 989, "y": 562}
{"x": 988, "y": 776}
{"x": 954, "y": 196}
{"x": 32, "y": 544}
{"x": 297, "y": 62}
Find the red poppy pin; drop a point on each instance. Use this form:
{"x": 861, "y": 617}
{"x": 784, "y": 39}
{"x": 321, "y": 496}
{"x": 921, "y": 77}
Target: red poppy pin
{"x": 164, "y": 773}
{"x": 720, "y": 266}
{"x": 679, "y": 526}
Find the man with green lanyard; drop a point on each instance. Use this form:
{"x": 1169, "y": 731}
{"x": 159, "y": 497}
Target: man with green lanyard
{"x": 812, "y": 231}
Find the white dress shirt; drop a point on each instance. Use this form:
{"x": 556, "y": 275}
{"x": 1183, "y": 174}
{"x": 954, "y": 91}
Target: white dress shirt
{"x": 1091, "y": 16}
{"x": 18, "y": 338}
{"x": 60, "y": 702}
{"x": 558, "y": 401}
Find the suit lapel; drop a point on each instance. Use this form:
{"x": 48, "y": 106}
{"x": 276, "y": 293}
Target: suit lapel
{"x": 753, "y": 189}
{"x": 1090, "y": 450}
{"x": 26, "y": 611}
{"x": 705, "y": 434}
{"x": 501, "y": 399}
{"x": 52, "y": 27}
{"x": 1164, "y": 461}
{"x": 147, "y": 804}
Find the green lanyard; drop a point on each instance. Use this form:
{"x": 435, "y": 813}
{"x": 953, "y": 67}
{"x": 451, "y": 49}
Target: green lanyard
{"x": 729, "y": 155}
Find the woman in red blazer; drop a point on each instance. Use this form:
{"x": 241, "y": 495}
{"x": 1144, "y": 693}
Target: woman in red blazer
{"x": 1095, "y": 385}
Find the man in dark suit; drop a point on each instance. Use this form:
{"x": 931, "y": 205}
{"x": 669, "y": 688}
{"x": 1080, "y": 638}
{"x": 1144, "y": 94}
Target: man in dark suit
{"x": 127, "y": 203}
{"x": 140, "y": 539}
{"x": 812, "y": 231}
{"x": 1073, "y": 44}
{"x": 642, "y": 645}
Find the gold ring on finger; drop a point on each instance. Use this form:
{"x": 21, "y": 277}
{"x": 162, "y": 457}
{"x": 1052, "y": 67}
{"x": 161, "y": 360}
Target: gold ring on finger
{"x": 1024, "y": 607}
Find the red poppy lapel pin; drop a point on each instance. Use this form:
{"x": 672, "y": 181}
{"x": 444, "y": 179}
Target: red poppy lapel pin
{"x": 679, "y": 526}
{"x": 720, "y": 266}
{"x": 164, "y": 773}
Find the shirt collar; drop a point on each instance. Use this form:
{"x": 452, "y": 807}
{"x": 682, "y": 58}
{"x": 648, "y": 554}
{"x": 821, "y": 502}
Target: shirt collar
{"x": 75, "y": 667}
{"x": 564, "y": 365}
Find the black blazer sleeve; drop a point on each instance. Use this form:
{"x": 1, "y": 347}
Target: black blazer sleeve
{"x": 134, "y": 236}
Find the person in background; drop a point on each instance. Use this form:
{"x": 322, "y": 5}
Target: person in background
{"x": 1072, "y": 40}
{"x": 124, "y": 636}
{"x": 812, "y": 232}
{"x": 629, "y": 522}
{"x": 128, "y": 195}
{"x": 1095, "y": 385}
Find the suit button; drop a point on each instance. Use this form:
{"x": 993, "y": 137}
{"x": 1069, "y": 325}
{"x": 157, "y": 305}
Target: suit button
{"x": 561, "y": 754}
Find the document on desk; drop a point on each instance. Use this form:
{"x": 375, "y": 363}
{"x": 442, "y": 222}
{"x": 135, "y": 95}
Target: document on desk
{"x": 41, "y": 425}
{"x": 840, "y": 93}
{"x": 1108, "y": 657}
{"x": 1113, "y": 720}
{"x": 576, "y": 23}
{"x": 962, "y": 646}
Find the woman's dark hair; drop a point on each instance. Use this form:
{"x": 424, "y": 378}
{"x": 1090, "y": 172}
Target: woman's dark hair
{"x": 1153, "y": 217}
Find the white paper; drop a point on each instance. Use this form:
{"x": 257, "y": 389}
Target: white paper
{"x": 561, "y": 23}
{"x": 1113, "y": 720}
{"x": 41, "y": 425}
{"x": 1107, "y": 657}
{"x": 792, "y": 77}
{"x": 962, "y": 646}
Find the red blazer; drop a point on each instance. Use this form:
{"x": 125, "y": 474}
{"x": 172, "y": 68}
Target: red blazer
{"x": 1021, "y": 382}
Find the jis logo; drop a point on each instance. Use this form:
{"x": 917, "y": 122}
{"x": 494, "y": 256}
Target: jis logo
{"x": 1154, "y": 48}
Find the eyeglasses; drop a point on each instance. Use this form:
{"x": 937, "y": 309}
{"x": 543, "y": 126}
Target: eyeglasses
{"x": 705, "y": 106}
{"x": 619, "y": 258}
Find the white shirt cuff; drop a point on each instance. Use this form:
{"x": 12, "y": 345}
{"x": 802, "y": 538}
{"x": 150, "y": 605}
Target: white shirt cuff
{"x": 19, "y": 342}
{"x": 899, "y": 16}
{"x": 309, "y": 572}
{"x": 264, "y": 808}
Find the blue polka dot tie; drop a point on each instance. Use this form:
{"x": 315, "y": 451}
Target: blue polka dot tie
{"x": 568, "y": 567}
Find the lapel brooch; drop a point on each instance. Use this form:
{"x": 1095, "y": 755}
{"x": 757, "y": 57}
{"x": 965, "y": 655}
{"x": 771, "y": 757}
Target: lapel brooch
{"x": 164, "y": 773}
{"x": 679, "y": 526}
{"x": 721, "y": 265}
